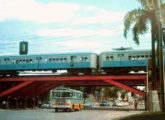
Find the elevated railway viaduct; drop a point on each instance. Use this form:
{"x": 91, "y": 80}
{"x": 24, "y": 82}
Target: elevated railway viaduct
{"x": 33, "y": 86}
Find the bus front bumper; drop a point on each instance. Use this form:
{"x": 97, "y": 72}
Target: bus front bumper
{"x": 61, "y": 107}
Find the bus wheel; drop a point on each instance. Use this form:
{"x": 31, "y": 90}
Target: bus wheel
{"x": 56, "y": 110}
{"x": 69, "y": 110}
{"x": 73, "y": 108}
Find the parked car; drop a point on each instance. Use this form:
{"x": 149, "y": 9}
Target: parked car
{"x": 104, "y": 103}
{"x": 120, "y": 103}
{"x": 45, "y": 105}
{"x": 88, "y": 105}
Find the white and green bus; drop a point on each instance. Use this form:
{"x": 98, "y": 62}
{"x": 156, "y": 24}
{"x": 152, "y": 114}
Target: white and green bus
{"x": 66, "y": 99}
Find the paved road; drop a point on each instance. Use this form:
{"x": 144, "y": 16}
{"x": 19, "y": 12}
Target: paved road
{"x": 49, "y": 114}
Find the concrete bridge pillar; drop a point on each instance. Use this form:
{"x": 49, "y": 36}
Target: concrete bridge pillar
{"x": 154, "y": 104}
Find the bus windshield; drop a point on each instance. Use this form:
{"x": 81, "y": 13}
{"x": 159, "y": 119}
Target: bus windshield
{"x": 65, "y": 94}
{"x": 62, "y": 94}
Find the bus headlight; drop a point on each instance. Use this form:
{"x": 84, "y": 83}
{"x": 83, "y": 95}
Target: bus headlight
{"x": 68, "y": 103}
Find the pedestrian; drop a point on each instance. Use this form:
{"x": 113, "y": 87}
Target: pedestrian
{"x": 135, "y": 104}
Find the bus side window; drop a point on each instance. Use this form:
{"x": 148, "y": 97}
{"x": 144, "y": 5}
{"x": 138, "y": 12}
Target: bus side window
{"x": 71, "y": 94}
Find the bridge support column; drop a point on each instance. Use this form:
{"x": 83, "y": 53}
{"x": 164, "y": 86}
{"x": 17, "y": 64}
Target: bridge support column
{"x": 154, "y": 104}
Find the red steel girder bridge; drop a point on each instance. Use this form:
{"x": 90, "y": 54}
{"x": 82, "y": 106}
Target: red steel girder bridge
{"x": 31, "y": 86}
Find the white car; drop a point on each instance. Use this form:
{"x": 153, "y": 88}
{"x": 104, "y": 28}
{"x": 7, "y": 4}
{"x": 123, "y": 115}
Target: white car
{"x": 45, "y": 105}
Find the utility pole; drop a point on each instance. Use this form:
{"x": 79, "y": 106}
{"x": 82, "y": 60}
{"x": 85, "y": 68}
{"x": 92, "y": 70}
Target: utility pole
{"x": 160, "y": 54}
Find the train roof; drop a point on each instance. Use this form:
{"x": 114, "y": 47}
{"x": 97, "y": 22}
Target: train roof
{"x": 46, "y": 54}
{"x": 128, "y": 51}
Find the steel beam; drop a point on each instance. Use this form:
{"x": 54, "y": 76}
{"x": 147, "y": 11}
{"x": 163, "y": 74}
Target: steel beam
{"x": 128, "y": 88}
{"x": 35, "y": 91}
{"x": 47, "y": 89}
{"x": 17, "y": 87}
{"x": 29, "y": 89}
{"x": 75, "y": 78}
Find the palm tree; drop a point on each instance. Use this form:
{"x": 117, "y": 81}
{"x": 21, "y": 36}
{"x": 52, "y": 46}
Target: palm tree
{"x": 138, "y": 20}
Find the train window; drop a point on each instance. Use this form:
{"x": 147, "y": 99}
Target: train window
{"x": 107, "y": 57}
{"x": 57, "y": 59}
{"x": 13, "y": 61}
{"x": 17, "y": 61}
{"x": 31, "y": 61}
{"x": 120, "y": 55}
{"x": 6, "y": 59}
{"x": 146, "y": 56}
{"x": 82, "y": 59}
{"x": 138, "y": 57}
{"x": 65, "y": 59}
{"x": 111, "y": 57}
{"x": 27, "y": 60}
{"x": 133, "y": 57}
{"x": 20, "y": 61}
{"x": 46, "y": 60}
{"x": 129, "y": 57}
{"x": 61, "y": 59}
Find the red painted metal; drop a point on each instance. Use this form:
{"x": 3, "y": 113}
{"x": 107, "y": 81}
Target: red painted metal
{"x": 30, "y": 89}
{"x": 39, "y": 89}
{"x": 19, "y": 86}
{"x": 75, "y": 78}
{"x": 42, "y": 84}
{"x": 47, "y": 89}
{"x": 23, "y": 91}
{"x": 125, "y": 87}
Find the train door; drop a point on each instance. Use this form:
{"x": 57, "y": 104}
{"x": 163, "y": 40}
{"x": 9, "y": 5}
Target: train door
{"x": 72, "y": 61}
{"x": 38, "y": 61}
{"x": 121, "y": 57}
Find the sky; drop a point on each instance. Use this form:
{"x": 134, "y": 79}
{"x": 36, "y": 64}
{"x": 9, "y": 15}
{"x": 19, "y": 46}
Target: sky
{"x": 62, "y": 26}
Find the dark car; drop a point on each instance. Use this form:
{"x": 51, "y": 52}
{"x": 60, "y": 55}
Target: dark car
{"x": 104, "y": 103}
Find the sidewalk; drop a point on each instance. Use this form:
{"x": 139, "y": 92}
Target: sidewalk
{"x": 116, "y": 108}
{"x": 146, "y": 116}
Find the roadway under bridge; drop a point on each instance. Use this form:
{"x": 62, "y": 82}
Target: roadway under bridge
{"x": 33, "y": 86}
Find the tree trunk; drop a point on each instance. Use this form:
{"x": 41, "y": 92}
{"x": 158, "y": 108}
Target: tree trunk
{"x": 154, "y": 74}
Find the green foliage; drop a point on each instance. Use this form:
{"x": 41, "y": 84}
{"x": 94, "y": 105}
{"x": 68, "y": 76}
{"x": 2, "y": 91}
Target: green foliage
{"x": 123, "y": 93}
{"x": 111, "y": 91}
{"x": 137, "y": 20}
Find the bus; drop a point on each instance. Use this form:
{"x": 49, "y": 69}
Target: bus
{"x": 66, "y": 99}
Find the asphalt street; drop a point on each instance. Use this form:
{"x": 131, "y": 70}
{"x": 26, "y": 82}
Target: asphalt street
{"x": 49, "y": 114}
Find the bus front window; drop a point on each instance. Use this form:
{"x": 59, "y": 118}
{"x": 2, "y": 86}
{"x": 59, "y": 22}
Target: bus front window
{"x": 65, "y": 94}
{"x": 56, "y": 94}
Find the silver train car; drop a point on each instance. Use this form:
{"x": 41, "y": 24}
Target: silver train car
{"x": 124, "y": 61}
{"x": 72, "y": 62}
{"x": 112, "y": 62}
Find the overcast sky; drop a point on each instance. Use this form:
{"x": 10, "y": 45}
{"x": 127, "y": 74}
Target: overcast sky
{"x": 60, "y": 26}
